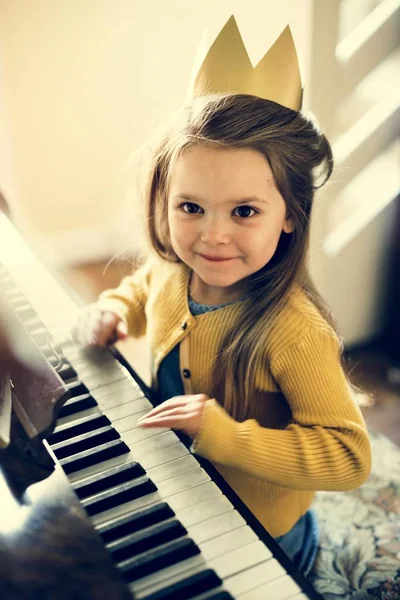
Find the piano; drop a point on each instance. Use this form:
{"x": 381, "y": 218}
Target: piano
{"x": 114, "y": 510}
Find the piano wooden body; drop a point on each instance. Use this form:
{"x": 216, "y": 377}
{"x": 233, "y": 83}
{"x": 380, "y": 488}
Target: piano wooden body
{"x": 93, "y": 506}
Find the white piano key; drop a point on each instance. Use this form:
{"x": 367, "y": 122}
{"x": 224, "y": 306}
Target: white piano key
{"x": 77, "y": 354}
{"x": 127, "y": 409}
{"x": 176, "y": 501}
{"x": 93, "y": 382}
{"x": 126, "y": 508}
{"x": 254, "y": 577}
{"x": 166, "y": 577}
{"x": 108, "y": 373}
{"x": 193, "y": 496}
{"x": 282, "y": 588}
{"x": 154, "y": 444}
{"x": 173, "y": 468}
{"x": 85, "y": 367}
{"x": 116, "y": 394}
{"x": 79, "y": 421}
{"x": 240, "y": 559}
{"x": 127, "y": 425}
{"x": 59, "y": 327}
{"x": 79, "y": 415}
{"x": 141, "y": 433}
{"x": 223, "y": 544}
{"x": 117, "y": 389}
{"x": 205, "y": 518}
{"x": 185, "y": 481}
{"x": 117, "y": 398}
{"x": 210, "y": 594}
{"x": 299, "y": 597}
{"x": 160, "y": 457}
{"x": 101, "y": 467}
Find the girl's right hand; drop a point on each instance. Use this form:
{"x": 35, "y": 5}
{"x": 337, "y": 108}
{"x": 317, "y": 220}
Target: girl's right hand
{"x": 99, "y": 328}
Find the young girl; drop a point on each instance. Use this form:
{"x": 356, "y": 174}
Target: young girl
{"x": 245, "y": 356}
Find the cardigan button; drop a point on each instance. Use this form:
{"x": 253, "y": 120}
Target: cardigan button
{"x": 184, "y": 325}
{"x": 186, "y": 373}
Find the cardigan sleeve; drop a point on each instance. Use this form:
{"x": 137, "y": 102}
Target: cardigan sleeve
{"x": 129, "y": 299}
{"x": 326, "y": 447}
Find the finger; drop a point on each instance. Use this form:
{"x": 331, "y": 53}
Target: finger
{"x": 166, "y": 413}
{"x": 176, "y": 401}
{"x": 106, "y": 332}
{"x": 172, "y": 421}
{"x": 105, "y": 328}
{"x": 84, "y": 335}
{"x": 75, "y": 332}
{"x": 94, "y": 328}
{"x": 122, "y": 330}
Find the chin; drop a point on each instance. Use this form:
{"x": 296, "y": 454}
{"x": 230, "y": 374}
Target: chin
{"x": 219, "y": 282}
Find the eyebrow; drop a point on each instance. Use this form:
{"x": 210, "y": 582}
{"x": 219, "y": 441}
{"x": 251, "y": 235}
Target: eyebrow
{"x": 246, "y": 200}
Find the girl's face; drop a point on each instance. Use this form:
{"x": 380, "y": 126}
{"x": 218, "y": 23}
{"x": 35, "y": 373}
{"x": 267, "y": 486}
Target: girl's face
{"x": 225, "y": 218}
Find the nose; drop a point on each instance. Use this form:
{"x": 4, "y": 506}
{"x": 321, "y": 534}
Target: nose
{"x": 215, "y": 231}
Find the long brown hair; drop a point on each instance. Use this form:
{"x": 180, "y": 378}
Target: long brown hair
{"x": 301, "y": 160}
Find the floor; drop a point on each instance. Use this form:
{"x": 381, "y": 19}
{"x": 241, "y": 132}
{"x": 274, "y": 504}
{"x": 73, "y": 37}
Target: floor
{"x": 368, "y": 367}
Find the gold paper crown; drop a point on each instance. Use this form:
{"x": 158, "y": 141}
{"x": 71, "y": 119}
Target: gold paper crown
{"x": 226, "y": 67}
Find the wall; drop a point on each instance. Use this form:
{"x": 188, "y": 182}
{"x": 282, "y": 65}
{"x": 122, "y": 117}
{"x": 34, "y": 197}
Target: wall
{"x": 8, "y": 186}
{"x": 87, "y": 81}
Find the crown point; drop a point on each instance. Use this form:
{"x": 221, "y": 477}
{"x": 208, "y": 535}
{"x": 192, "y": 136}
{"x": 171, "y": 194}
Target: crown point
{"x": 226, "y": 68}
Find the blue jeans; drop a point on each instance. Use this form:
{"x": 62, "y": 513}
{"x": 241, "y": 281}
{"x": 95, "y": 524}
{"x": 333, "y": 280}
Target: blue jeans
{"x": 301, "y": 542}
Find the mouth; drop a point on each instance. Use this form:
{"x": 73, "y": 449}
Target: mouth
{"x": 216, "y": 258}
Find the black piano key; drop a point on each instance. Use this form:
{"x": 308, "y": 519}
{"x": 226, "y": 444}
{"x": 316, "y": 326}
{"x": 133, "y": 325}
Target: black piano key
{"x": 158, "y": 559}
{"x": 147, "y": 539}
{"x": 77, "y": 404}
{"x": 84, "y": 425}
{"x": 222, "y": 595}
{"x": 94, "y": 456}
{"x": 25, "y": 312}
{"x": 85, "y": 441}
{"x": 140, "y": 519}
{"x": 53, "y": 360}
{"x": 33, "y": 324}
{"x": 190, "y": 587}
{"x": 66, "y": 371}
{"x": 50, "y": 351}
{"x": 126, "y": 492}
{"x": 39, "y": 335}
{"x": 15, "y": 298}
{"x": 77, "y": 387}
{"x": 103, "y": 481}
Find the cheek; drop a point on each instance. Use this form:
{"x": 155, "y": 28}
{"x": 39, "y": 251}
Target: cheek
{"x": 181, "y": 233}
{"x": 264, "y": 241}
{"x": 184, "y": 228}
{"x": 172, "y": 226}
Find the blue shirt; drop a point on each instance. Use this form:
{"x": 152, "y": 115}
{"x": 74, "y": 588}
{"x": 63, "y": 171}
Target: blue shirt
{"x": 169, "y": 374}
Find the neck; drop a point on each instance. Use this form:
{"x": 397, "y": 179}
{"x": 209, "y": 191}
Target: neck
{"x": 213, "y": 295}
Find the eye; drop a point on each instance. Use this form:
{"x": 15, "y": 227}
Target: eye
{"x": 190, "y": 208}
{"x": 244, "y": 212}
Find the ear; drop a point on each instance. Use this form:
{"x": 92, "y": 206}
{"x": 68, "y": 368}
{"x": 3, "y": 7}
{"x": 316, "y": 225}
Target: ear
{"x": 288, "y": 226}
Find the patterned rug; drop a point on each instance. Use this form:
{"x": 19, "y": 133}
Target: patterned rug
{"x": 359, "y": 554}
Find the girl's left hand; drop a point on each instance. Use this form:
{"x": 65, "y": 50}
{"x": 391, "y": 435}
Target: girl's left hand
{"x": 180, "y": 412}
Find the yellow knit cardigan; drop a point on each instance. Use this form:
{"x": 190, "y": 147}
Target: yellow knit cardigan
{"x": 304, "y": 431}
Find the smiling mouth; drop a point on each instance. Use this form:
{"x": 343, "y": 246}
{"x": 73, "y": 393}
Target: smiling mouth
{"x": 216, "y": 258}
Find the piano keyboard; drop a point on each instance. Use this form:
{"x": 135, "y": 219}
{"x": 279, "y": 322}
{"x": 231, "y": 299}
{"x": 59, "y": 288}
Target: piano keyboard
{"x": 170, "y": 529}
